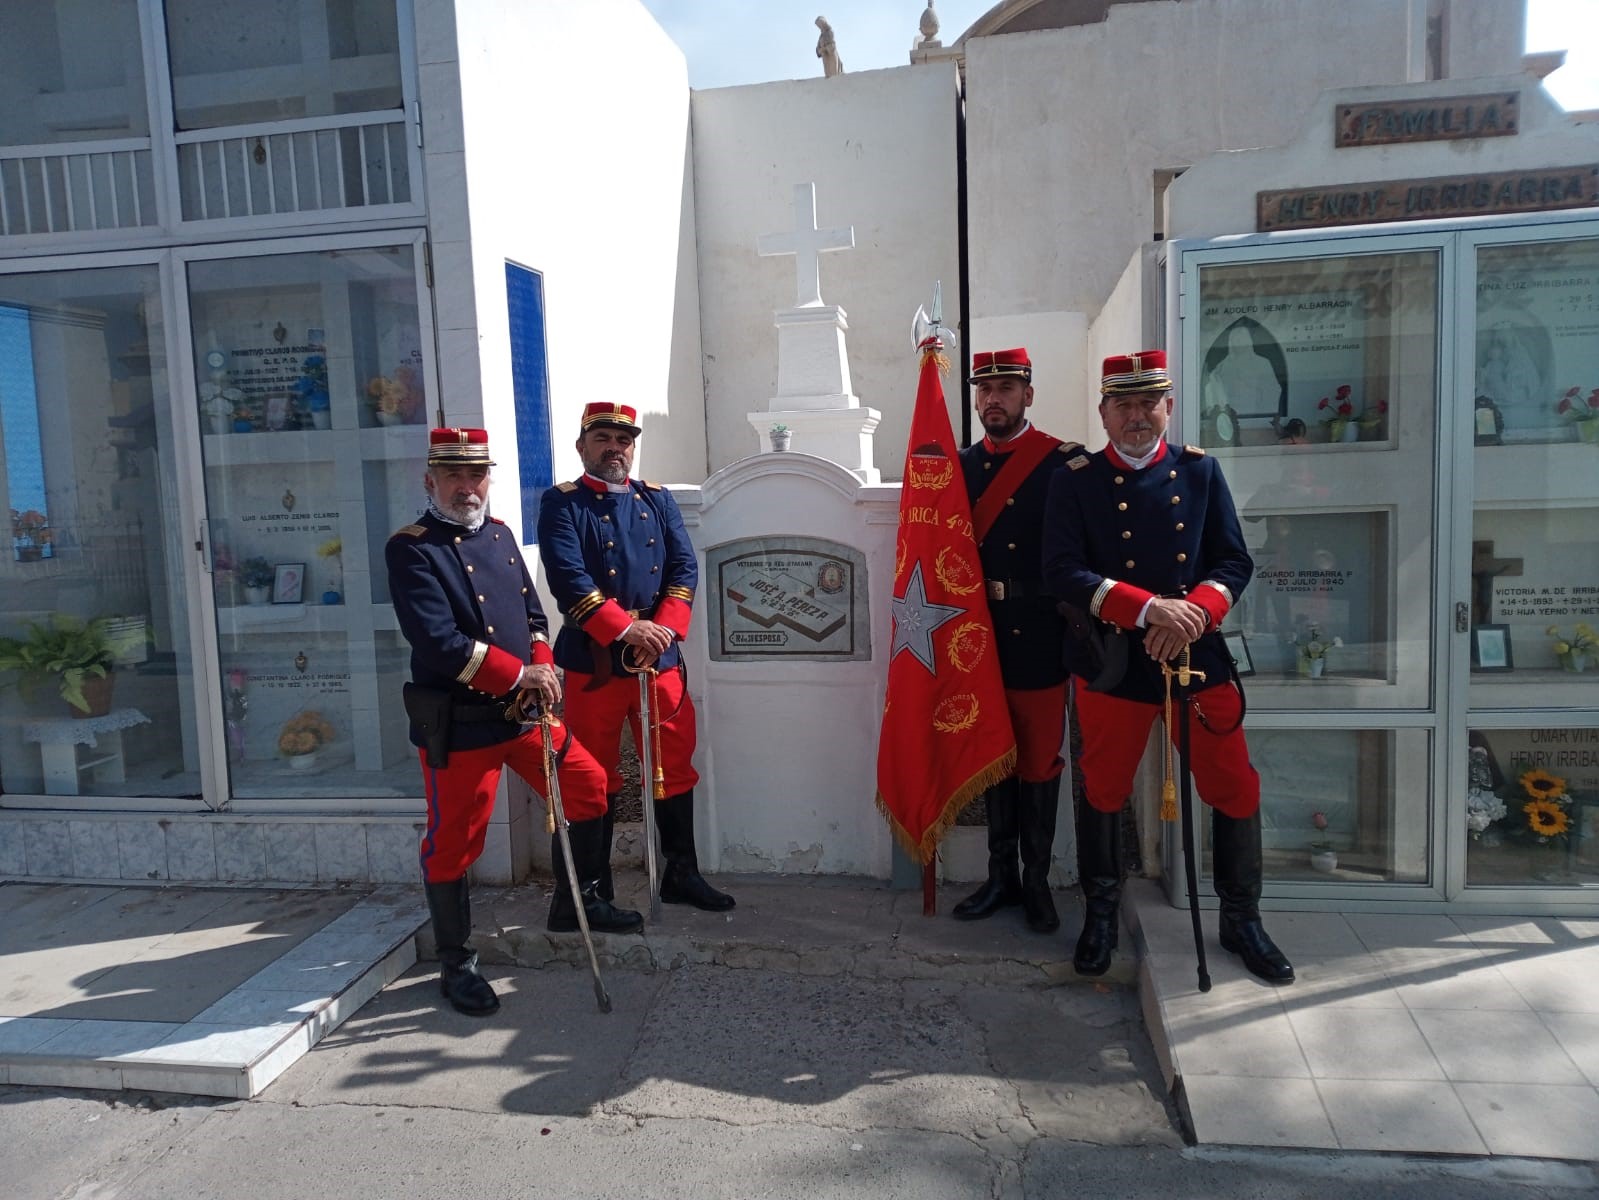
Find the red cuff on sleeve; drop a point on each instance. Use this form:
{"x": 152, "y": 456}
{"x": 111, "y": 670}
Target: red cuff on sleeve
{"x": 1122, "y": 605}
{"x": 607, "y": 623}
{"x": 498, "y": 674}
{"x": 675, "y": 614}
{"x": 1212, "y": 601}
{"x": 543, "y": 656}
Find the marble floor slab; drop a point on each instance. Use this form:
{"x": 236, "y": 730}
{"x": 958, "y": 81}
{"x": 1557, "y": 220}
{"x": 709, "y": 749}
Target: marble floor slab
{"x": 203, "y": 991}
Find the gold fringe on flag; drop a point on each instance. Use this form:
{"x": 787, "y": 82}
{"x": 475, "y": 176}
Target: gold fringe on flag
{"x": 924, "y": 851}
{"x": 935, "y": 351}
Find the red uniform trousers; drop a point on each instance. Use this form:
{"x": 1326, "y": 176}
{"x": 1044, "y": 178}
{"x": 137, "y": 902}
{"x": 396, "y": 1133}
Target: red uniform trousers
{"x": 1115, "y": 732}
{"x": 460, "y": 795}
{"x": 596, "y": 714}
{"x": 1038, "y": 718}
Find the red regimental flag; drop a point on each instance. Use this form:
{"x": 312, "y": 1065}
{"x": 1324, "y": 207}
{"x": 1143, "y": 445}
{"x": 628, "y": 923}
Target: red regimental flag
{"x": 946, "y": 735}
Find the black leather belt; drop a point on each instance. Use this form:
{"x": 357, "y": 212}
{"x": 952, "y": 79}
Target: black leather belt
{"x": 1012, "y": 589}
{"x": 471, "y": 714}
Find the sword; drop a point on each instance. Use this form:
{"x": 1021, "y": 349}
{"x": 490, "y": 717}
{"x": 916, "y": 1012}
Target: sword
{"x": 652, "y": 778}
{"x": 1184, "y": 675}
{"x": 555, "y": 822}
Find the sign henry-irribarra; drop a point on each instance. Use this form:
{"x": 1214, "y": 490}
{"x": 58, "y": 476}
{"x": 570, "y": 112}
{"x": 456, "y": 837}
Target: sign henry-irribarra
{"x": 788, "y": 597}
{"x": 1428, "y": 199}
{"x": 1437, "y": 120}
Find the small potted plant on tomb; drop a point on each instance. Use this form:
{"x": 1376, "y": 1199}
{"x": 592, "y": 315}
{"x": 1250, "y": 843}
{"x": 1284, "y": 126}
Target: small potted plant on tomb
{"x": 1312, "y": 646}
{"x": 780, "y": 436}
{"x": 74, "y": 654}
{"x": 1323, "y": 855}
{"x": 255, "y": 576}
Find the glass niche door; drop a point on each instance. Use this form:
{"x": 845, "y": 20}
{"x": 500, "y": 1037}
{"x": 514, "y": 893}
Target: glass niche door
{"x": 1527, "y": 776}
{"x": 1313, "y": 374}
{"x": 95, "y": 651}
{"x": 311, "y": 376}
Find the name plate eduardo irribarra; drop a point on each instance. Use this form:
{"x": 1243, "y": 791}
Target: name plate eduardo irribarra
{"x": 788, "y": 597}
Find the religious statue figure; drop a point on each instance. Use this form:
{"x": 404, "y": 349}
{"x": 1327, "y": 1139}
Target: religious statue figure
{"x": 1241, "y": 378}
{"x": 1508, "y": 375}
{"x": 827, "y": 50}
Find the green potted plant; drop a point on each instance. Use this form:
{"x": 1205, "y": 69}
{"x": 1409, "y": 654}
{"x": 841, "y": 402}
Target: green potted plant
{"x": 780, "y": 436}
{"x": 77, "y": 655}
{"x": 255, "y": 576}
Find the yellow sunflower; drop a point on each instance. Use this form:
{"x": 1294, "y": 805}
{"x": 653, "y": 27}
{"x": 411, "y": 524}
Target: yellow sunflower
{"x": 1545, "y": 818}
{"x": 1541, "y": 785}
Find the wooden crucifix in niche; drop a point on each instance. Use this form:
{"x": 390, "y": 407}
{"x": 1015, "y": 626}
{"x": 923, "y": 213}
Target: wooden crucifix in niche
{"x": 1484, "y": 568}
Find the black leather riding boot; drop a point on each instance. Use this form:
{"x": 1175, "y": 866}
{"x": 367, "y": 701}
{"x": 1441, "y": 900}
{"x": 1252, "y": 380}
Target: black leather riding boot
{"x": 1238, "y": 879}
{"x": 1039, "y": 803}
{"x": 1099, "y": 863}
{"x": 603, "y": 916}
{"x": 459, "y": 981}
{"x": 1003, "y": 888}
{"x": 607, "y": 890}
{"x": 681, "y": 881}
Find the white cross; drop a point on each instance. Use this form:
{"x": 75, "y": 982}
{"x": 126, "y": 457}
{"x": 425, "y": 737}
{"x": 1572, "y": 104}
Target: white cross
{"x": 805, "y": 243}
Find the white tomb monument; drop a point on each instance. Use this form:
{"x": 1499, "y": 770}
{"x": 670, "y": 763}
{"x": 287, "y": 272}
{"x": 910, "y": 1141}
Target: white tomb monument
{"x": 813, "y": 398}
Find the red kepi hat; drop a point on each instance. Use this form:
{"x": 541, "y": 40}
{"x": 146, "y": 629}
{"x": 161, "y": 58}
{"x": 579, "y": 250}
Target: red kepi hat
{"x": 612, "y": 416}
{"x": 994, "y": 364}
{"x": 1125, "y": 374}
{"x": 458, "y": 446}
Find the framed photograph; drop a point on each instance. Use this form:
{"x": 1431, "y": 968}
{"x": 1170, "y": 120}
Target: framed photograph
{"x": 1490, "y": 648}
{"x": 1239, "y": 649}
{"x": 288, "y": 583}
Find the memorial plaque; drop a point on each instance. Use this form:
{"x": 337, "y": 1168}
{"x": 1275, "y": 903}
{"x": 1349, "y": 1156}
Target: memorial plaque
{"x": 1435, "y": 120}
{"x": 1472, "y": 195}
{"x": 788, "y": 597}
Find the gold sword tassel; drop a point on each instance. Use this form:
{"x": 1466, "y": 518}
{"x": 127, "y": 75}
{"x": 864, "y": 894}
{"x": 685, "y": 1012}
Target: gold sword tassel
{"x": 1184, "y": 674}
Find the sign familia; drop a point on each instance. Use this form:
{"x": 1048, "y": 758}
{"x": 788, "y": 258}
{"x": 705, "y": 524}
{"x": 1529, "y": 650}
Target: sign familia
{"x": 1427, "y": 199}
{"x": 1385, "y": 122}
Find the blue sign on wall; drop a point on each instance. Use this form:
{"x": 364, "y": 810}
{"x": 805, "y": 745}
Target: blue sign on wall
{"x": 530, "y": 389}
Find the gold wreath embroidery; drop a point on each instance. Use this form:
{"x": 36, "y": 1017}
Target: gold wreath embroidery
{"x": 901, "y": 553}
{"x": 966, "y": 645}
{"x": 956, "y": 714}
{"x": 956, "y": 573}
{"x": 932, "y": 473}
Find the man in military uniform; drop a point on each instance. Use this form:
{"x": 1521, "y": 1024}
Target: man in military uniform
{"x": 478, "y": 636}
{"x": 1007, "y": 480}
{"x": 1143, "y": 537}
{"x": 623, "y": 572}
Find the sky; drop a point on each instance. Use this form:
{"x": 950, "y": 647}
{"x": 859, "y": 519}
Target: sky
{"x": 753, "y": 41}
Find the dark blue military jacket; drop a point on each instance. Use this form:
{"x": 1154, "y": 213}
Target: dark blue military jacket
{"x": 1029, "y": 632}
{"x": 629, "y": 547}
{"x": 453, "y": 591}
{"x": 1165, "y": 529}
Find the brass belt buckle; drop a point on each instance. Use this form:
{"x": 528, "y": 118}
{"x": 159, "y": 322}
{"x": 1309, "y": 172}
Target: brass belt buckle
{"x": 996, "y": 588}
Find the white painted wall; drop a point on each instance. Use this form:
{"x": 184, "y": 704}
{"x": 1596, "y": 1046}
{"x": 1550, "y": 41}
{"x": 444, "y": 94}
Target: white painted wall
{"x": 880, "y": 146}
{"x": 1066, "y": 128}
{"x": 788, "y": 749}
{"x": 558, "y": 137}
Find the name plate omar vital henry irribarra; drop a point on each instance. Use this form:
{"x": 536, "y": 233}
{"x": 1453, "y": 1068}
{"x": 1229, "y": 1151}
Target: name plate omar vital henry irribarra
{"x": 1428, "y": 199}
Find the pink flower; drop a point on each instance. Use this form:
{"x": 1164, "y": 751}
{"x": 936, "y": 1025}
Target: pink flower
{"x": 1343, "y": 391}
{"x": 1346, "y": 409}
{"x": 1319, "y": 820}
{"x": 1325, "y": 403}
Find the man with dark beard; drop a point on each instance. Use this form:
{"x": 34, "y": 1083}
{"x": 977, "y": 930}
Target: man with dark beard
{"x": 478, "y": 636}
{"x": 1143, "y": 536}
{"x": 1007, "y": 480}
{"x": 623, "y": 572}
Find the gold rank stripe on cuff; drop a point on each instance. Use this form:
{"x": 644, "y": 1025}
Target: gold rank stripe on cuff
{"x": 1226, "y": 592}
{"x": 586, "y": 607}
{"x": 1103, "y": 590}
{"x": 678, "y": 592}
{"x": 480, "y": 651}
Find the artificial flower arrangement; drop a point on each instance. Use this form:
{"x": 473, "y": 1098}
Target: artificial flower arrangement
{"x": 311, "y": 389}
{"x": 1577, "y": 652}
{"x": 1545, "y": 807}
{"x": 397, "y": 397}
{"x": 1312, "y": 646}
{"x": 304, "y": 733}
{"x": 331, "y": 548}
{"x": 1336, "y": 411}
{"x": 1372, "y": 417}
{"x": 1319, "y": 822}
{"x": 1579, "y": 411}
